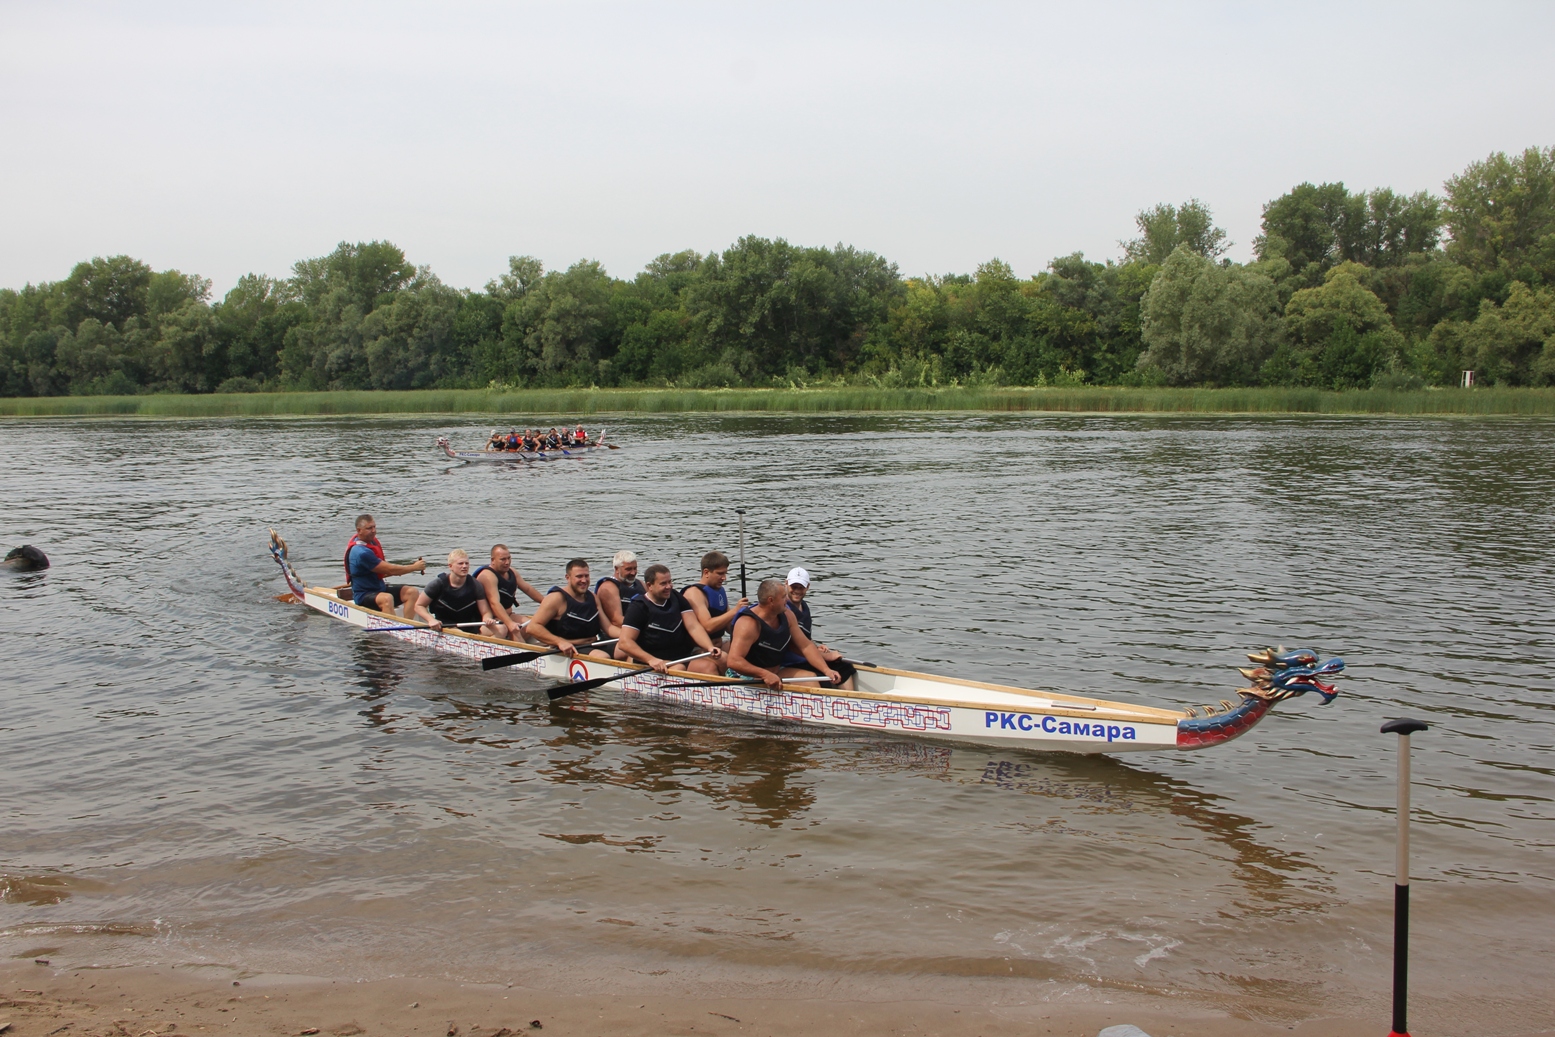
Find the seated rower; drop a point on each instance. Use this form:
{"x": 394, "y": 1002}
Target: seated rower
{"x": 454, "y": 599}
{"x": 798, "y": 587}
{"x": 366, "y": 569}
{"x": 531, "y": 443}
{"x": 569, "y": 618}
{"x": 580, "y": 437}
{"x": 502, "y": 584}
{"x": 616, "y": 590}
{"x": 553, "y": 439}
{"x": 709, "y": 600}
{"x": 660, "y": 629}
{"x": 513, "y": 442}
{"x": 566, "y": 437}
{"x": 496, "y": 442}
{"x": 766, "y": 634}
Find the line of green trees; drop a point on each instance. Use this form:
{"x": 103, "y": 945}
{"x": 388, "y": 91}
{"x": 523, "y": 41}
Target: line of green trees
{"x": 1348, "y": 289}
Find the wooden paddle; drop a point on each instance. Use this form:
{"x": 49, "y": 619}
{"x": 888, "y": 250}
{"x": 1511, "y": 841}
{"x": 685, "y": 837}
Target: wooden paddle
{"x": 496, "y": 662}
{"x": 562, "y": 690}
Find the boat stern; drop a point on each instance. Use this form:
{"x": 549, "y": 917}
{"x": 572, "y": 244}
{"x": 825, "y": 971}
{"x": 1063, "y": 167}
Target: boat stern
{"x": 293, "y": 581}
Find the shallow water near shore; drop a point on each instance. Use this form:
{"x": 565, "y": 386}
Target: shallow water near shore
{"x": 199, "y": 774}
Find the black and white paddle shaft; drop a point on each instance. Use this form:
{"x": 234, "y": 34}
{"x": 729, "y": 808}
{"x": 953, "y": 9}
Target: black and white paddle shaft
{"x": 738, "y": 684}
{"x": 563, "y": 690}
{"x": 496, "y": 662}
{"x": 1403, "y": 727}
{"x": 741, "y": 512}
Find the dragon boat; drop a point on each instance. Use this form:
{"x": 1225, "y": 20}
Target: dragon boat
{"x": 519, "y": 456}
{"x": 899, "y": 702}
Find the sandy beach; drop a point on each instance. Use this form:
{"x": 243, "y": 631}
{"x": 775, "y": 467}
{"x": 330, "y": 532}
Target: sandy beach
{"x": 39, "y": 1001}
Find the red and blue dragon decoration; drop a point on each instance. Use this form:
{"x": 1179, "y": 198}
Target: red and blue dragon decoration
{"x": 1279, "y": 674}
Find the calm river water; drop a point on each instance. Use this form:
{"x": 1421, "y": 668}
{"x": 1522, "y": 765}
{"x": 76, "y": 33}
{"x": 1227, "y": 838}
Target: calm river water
{"x": 197, "y": 773}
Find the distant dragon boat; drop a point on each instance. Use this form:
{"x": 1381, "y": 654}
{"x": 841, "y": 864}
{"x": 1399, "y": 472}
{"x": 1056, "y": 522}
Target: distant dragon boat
{"x": 519, "y": 456}
{"x": 899, "y": 702}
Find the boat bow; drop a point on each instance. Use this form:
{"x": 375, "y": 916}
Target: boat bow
{"x": 1280, "y": 675}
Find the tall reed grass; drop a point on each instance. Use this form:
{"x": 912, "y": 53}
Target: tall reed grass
{"x": 572, "y": 402}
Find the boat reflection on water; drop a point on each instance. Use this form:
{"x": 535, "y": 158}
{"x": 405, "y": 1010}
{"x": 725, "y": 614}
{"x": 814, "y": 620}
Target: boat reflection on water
{"x": 380, "y": 670}
{"x": 769, "y": 774}
{"x": 1276, "y": 880}
{"x": 763, "y": 773}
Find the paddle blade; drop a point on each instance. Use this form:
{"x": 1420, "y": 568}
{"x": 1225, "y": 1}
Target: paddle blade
{"x": 563, "y": 690}
{"x": 497, "y": 662}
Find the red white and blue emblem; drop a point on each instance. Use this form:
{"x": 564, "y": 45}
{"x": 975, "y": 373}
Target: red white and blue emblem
{"x": 578, "y": 672}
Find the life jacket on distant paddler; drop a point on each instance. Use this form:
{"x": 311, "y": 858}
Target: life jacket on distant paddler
{"x": 375, "y": 547}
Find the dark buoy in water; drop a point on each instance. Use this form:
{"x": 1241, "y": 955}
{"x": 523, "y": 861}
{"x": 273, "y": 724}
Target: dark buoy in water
{"x": 26, "y": 559}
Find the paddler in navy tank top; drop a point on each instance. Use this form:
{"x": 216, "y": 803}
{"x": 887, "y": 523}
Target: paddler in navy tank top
{"x": 659, "y": 629}
{"x": 569, "y": 617}
{"x": 709, "y": 600}
{"x": 615, "y": 591}
{"x": 764, "y": 636}
{"x": 452, "y": 598}
{"x": 502, "y": 585}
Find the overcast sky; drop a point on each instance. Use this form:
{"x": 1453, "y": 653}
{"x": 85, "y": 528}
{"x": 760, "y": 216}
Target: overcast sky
{"x": 223, "y": 139}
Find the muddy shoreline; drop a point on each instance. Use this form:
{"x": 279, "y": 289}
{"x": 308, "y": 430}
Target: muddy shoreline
{"x": 42, "y": 1001}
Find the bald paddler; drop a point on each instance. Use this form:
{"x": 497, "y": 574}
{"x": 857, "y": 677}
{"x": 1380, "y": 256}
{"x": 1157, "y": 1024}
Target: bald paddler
{"x": 502, "y": 584}
{"x": 622, "y": 586}
{"x": 453, "y": 598}
{"x": 569, "y": 616}
{"x": 366, "y": 569}
{"x": 766, "y": 635}
{"x": 709, "y": 600}
{"x": 660, "y": 628}
{"x": 798, "y": 587}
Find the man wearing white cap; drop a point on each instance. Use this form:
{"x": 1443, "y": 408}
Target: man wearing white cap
{"x": 798, "y": 587}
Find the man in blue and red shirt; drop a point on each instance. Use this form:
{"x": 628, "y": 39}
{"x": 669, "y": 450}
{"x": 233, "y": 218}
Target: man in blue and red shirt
{"x": 366, "y": 569}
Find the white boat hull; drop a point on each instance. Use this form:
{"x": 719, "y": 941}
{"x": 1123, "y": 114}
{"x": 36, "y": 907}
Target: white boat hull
{"x": 998, "y": 717}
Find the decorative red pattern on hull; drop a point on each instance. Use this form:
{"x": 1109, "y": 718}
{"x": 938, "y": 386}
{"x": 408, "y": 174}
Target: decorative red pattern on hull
{"x": 1204, "y": 731}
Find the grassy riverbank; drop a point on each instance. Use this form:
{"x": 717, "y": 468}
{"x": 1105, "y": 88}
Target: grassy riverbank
{"x": 571, "y": 402}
